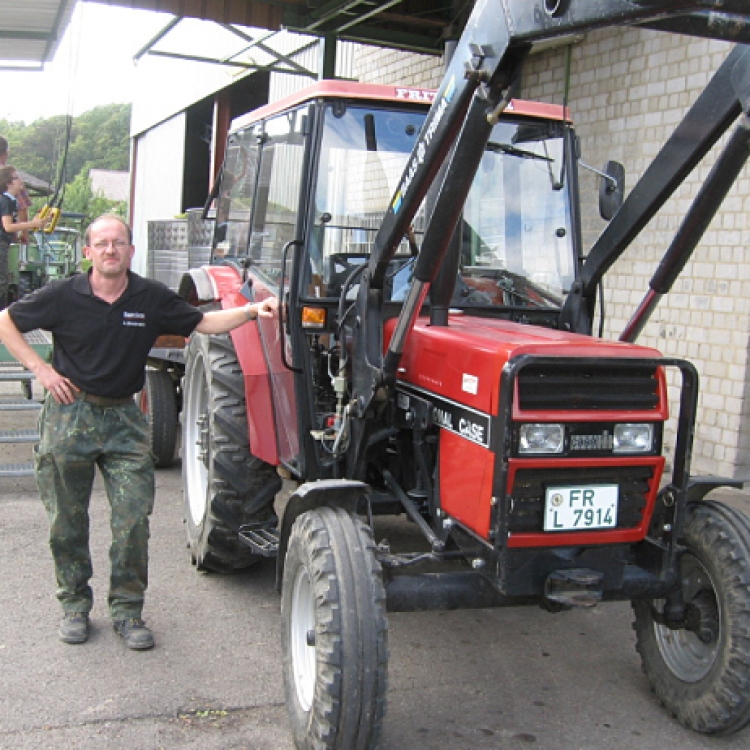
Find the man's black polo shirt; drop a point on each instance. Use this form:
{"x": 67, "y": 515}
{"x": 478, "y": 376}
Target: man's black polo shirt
{"x": 103, "y": 348}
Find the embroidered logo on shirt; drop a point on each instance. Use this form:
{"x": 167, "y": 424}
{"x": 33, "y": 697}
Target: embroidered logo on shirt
{"x": 136, "y": 319}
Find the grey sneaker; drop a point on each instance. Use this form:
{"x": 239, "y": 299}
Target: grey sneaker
{"x": 74, "y": 627}
{"x": 135, "y": 633}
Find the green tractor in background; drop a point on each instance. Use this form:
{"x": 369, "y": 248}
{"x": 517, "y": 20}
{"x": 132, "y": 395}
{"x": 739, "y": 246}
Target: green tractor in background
{"x": 46, "y": 257}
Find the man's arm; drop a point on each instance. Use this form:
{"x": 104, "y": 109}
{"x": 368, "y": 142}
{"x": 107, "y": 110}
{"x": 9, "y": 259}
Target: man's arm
{"x": 10, "y": 226}
{"x": 24, "y": 203}
{"x": 63, "y": 391}
{"x": 221, "y": 321}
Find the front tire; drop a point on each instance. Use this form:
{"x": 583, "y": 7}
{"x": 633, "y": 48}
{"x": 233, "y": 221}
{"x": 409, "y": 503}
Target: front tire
{"x": 334, "y": 633}
{"x": 225, "y": 486}
{"x": 702, "y": 674}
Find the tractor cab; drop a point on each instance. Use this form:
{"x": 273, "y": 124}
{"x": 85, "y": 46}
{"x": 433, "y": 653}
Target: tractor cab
{"x": 305, "y": 187}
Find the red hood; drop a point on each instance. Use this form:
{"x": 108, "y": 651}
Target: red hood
{"x": 464, "y": 361}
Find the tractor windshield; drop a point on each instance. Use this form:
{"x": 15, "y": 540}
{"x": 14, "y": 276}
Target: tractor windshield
{"x": 362, "y": 157}
{"x": 516, "y": 239}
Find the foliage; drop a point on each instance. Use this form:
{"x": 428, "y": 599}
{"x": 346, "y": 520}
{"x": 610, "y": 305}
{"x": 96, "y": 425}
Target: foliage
{"x": 80, "y": 198}
{"x": 99, "y": 139}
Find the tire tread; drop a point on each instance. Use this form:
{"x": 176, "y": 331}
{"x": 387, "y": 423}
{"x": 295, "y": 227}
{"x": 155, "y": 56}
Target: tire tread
{"x": 720, "y": 703}
{"x": 241, "y": 487}
{"x": 351, "y": 634}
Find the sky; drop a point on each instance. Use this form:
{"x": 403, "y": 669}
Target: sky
{"x": 93, "y": 65}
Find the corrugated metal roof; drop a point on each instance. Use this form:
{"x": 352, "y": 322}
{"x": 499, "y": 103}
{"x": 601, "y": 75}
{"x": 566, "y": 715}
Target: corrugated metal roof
{"x": 30, "y": 31}
{"x": 417, "y": 25}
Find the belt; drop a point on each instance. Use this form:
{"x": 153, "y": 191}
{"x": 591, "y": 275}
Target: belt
{"x": 103, "y": 400}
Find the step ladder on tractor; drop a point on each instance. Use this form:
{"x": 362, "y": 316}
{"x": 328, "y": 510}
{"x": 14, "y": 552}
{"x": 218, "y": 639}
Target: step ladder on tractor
{"x": 21, "y": 401}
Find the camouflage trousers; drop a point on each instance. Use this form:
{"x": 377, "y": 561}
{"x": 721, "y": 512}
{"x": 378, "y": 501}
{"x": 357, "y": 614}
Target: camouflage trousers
{"x": 74, "y": 439}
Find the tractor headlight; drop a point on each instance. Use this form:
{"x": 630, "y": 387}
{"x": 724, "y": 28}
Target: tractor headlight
{"x": 541, "y": 438}
{"x": 633, "y": 438}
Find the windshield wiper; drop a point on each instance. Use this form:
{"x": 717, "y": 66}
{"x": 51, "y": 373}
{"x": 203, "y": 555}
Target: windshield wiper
{"x": 507, "y": 148}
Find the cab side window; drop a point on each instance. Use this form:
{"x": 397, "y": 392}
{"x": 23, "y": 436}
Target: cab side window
{"x": 278, "y": 193}
{"x": 235, "y": 204}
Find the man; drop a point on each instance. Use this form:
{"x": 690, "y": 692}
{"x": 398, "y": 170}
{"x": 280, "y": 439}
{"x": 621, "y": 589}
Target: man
{"x": 24, "y": 202}
{"x": 11, "y": 187}
{"x": 103, "y": 324}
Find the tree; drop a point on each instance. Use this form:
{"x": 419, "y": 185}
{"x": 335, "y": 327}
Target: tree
{"x": 80, "y": 198}
{"x": 36, "y": 149}
{"x": 98, "y": 139}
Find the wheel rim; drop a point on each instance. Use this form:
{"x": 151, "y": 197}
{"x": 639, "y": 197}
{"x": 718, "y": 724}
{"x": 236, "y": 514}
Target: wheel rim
{"x": 689, "y": 657}
{"x": 197, "y": 440}
{"x": 302, "y": 623}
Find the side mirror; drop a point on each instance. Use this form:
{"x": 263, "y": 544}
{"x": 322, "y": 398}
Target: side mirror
{"x": 611, "y": 189}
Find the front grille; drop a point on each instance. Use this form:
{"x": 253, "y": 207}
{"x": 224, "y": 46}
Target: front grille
{"x": 588, "y": 386}
{"x": 527, "y": 498}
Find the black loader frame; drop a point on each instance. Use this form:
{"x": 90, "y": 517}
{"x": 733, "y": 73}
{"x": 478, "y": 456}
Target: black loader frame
{"x": 688, "y": 575}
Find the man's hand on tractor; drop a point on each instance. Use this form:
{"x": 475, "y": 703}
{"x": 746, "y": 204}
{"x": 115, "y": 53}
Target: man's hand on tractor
{"x": 264, "y": 309}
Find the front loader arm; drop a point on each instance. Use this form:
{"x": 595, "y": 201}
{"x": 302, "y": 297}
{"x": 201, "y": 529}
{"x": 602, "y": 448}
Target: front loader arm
{"x": 488, "y": 55}
{"x": 475, "y": 62}
{"x": 487, "y": 60}
{"x": 729, "y": 25}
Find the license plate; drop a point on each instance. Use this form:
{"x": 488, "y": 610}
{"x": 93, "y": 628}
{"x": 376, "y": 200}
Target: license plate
{"x": 592, "y": 506}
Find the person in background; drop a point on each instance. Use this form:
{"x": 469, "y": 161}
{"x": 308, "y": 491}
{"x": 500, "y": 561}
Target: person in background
{"x": 23, "y": 200}
{"x": 103, "y": 324}
{"x": 11, "y": 187}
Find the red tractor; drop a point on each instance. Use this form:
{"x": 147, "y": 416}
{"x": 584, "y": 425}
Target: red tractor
{"x": 434, "y": 358}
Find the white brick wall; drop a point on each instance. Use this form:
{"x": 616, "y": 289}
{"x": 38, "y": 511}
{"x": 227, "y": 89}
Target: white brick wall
{"x": 376, "y": 65}
{"x": 628, "y": 89}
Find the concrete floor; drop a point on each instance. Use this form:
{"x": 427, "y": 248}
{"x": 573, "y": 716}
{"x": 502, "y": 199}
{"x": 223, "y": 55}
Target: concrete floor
{"x": 510, "y": 678}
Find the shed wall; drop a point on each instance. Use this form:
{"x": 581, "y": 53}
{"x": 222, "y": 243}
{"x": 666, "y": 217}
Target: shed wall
{"x": 160, "y": 157}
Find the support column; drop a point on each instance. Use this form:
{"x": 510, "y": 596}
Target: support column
{"x": 222, "y": 121}
{"x": 327, "y": 57}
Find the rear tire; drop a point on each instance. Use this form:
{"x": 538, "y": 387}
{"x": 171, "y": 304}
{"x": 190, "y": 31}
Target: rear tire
{"x": 334, "y": 633}
{"x": 158, "y": 402}
{"x": 225, "y": 486}
{"x": 702, "y": 675}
